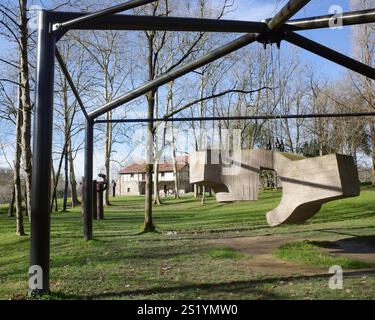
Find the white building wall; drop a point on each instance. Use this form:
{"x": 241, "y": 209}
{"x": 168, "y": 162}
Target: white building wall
{"x": 168, "y": 176}
{"x": 131, "y": 177}
{"x": 134, "y": 182}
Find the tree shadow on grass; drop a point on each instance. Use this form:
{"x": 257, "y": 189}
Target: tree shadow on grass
{"x": 351, "y": 245}
{"x": 285, "y": 230}
{"x": 245, "y": 288}
{"x": 171, "y": 202}
{"x": 345, "y": 231}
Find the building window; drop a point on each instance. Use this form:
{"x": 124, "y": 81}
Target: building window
{"x": 128, "y": 190}
{"x": 132, "y": 175}
{"x": 163, "y": 174}
{"x": 143, "y": 176}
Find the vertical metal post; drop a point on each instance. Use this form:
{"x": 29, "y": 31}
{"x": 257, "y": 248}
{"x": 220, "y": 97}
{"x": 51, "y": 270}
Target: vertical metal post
{"x": 100, "y": 202}
{"x": 83, "y": 186}
{"x": 88, "y": 204}
{"x": 95, "y": 199}
{"x": 42, "y": 160}
{"x": 114, "y": 185}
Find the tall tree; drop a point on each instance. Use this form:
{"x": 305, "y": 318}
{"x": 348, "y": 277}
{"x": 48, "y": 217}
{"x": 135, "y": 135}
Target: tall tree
{"x": 17, "y": 174}
{"x": 67, "y": 110}
{"x": 15, "y": 31}
{"x": 151, "y": 65}
{"x": 107, "y": 52}
{"x": 364, "y": 46}
{"x": 26, "y": 100}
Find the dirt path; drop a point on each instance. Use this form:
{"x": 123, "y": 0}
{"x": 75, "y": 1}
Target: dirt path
{"x": 261, "y": 249}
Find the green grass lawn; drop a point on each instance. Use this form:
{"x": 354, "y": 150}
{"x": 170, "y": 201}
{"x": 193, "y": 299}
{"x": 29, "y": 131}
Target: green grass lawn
{"x": 177, "y": 262}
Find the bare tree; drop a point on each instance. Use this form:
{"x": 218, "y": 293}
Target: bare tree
{"x": 17, "y": 175}
{"x": 67, "y": 109}
{"x": 105, "y": 50}
{"x": 364, "y": 46}
{"x": 14, "y": 29}
{"x": 26, "y": 100}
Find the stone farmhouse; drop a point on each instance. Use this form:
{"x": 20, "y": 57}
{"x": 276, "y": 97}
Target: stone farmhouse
{"x": 131, "y": 179}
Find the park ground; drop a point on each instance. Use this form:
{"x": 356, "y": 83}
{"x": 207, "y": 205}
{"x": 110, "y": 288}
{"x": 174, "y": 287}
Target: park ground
{"x": 210, "y": 251}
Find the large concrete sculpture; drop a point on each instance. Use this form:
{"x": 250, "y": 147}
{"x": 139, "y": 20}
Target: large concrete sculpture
{"x": 307, "y": 183}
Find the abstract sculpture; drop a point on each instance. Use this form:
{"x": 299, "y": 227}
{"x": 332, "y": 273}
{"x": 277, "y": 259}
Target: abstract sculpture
{"x": 307, "y": 183}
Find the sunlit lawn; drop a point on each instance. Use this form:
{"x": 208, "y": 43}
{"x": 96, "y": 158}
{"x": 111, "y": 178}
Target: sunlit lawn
{"x": 177, "y": 262}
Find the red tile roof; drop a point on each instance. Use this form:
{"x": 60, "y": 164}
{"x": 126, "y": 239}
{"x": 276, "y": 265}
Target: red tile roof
{"x": 163, "y": 167}
{"x": 134, "y": 168}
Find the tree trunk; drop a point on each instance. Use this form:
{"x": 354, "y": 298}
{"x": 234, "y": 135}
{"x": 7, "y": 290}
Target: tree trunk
{"x": 201, "y": 126}
{"x": 72, "y": 177}
{"x": 11, "y": 205}
{"x": 365, "y": 42}
{"x": 372, "y": 134}
{"x": 196, "y": 193}
{"x": 157, "y": 154}
{"x": 25, "y": 197}
{"x": 56, "y": 179}
{"x": 17, "y": 177}
{"x": 174, "y": 161}
{"x": 108, "y": 153}
{"x": 66, "y": 181}
{"x": 65, "y": 149}
{"x": 157, "y": 199}
{"x": 148, "y": 223}
{"x": 203, "y": 200}
{"x": 371, "y": 123}
{"x": 26, "y": 103}
{"x": 54, "y": 194}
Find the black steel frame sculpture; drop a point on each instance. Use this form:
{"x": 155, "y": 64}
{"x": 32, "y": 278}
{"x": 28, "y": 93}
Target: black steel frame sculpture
{"x": 54, "y": 25}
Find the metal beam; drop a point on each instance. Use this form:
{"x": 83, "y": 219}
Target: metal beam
{"x": 88, "y": 18}
{"x": 347, "y": 19}
{"x": 88, "y": 180}
{"x": 176, "y": 73}
{"x": 330, "y": 54}
{"x": 138, "y": 23}
{"x": 65, "y": 71}
{"x": 289, "y": 10}
{"x": 141, "y": 23}
{"x": 232, "y": 118}
{"x": 42, "y": 160}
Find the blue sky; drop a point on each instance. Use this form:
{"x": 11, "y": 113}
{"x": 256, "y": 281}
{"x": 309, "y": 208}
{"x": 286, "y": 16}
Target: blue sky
{"x": 337, "y": 39}
{"x": 258, "y": 10}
